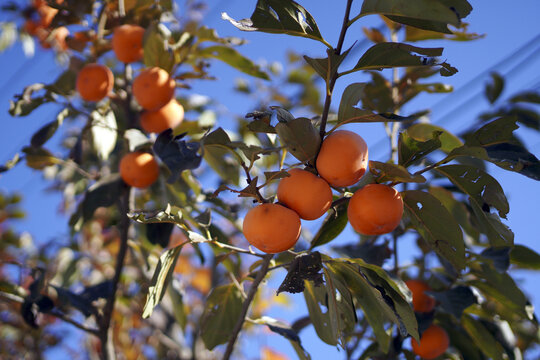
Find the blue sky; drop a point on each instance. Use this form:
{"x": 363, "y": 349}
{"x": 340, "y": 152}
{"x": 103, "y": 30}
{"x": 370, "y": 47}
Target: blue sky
{"x": 507, "y": 27}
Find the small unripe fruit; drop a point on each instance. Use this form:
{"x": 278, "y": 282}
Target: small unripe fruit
{"x": 343, "y": 158}
{"x": 375, "y": 209}
{"x": 271, "y": 228}
{"x": 306, "y": 193}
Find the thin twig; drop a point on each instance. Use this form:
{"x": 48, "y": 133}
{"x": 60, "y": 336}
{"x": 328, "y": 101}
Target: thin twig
{"x": 105, "y": 320}
{"x": 334, "y": 76}
{"x": 56, "y": 313}
{"x": 245, "y": 307}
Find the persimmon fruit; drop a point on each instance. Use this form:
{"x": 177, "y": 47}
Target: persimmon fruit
{"x": 271, "y": 228}
{"x": 139, "y": 169}
{"x": 166, "y": 117}
{"x": 306, "y": 193}
{"x": 422, "y": 302}
{"x": 343, "y": 158}
{"x": 127, "y": 43}
{"x": 375, "y": 209}
{"x": 433, "y": 343}
{"x": 153, "y": 88}
{"x": 94, "y": 82}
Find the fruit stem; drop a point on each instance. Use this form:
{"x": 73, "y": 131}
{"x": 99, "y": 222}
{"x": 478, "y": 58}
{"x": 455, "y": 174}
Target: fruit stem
{"x": 245, "y": 307}
{"x": 334, "y": 75}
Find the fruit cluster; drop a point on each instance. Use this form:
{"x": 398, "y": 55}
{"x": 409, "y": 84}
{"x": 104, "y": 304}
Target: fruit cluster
{"x": 153, "y": 89}
{"x": 342, "y": 161}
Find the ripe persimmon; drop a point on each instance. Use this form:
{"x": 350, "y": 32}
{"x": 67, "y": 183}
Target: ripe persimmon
{"x": 422, "y": 302}
{"x": 306, "y": 193}
{"x": 139, "y": 169}
{"x": 94, "y": 82}
{"x": 271, "y": 228}
{"x": 375, "y": 209}
{"x": 433, "y": 343}
{"x": 153, "y": 88}
{"x": 166, "y": 117}
{"x": 343, "y": 158}
{"x": 127, "y": 43}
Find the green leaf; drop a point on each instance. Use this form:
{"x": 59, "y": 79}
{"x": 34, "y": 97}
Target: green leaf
{"x": 482, "y": 337}
{"x": 494, "y": 88}
{"x": 156, "y": 48}
{"x": 171, "y": 214}
{"x": 424, "y": 132}
{"x": 47, "y": 131}
{"x": 458, "y": 210}
{"x": 411, "y": 150}
{"x": 375, "y": 309}
{"x": 233, "y": 58}
{"x": 384, "y": 172}
{"x": 495, "y": 132}
{"x": 160, "y": 280}
{"x": 528, "y": 97}
{"x": 329, "y": 65}
{"x": 104, "y": 133}
{"x": 315, "y": 295}
{"x": 436, "y": 225}
{"x": 395, "y": 293}
{"x": 390, "y": 55}
{"x": 25, "y": 103}
{"x": 300, "y": 138}
{"x": 421, "y": 11}
{"x": 280, "y": 17}
{"x": 222, "y": 310}
{"x": 525, "y": 258}
{"x": 39, "y": 158}
{"x": 333, "y": 225}
{"x": 349, "y": 113}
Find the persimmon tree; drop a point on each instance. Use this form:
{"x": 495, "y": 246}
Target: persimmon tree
{"x": 158, "y": 263}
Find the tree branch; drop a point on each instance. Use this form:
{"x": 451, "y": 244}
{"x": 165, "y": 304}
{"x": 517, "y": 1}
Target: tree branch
{"x": 105, "y": 320}
{"x": 334, "y": 76}
{"x": 245, "y": 307}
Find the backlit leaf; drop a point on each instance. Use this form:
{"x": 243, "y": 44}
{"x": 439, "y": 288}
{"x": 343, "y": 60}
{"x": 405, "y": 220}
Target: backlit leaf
{"x": 411, "y": 150}
{"x": 384, "y": 172}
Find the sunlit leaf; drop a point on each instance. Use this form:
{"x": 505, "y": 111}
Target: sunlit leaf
{"x": 104, "y": 133}
{"x": 411, "y": 150}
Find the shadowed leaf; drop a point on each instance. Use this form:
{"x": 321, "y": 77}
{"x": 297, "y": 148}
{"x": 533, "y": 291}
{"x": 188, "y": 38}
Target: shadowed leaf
{"x": 233, "y": 58}
{"x": 307, "y": 266}
{"x": 384, "y": 172}
{"x": 177, "y": 154}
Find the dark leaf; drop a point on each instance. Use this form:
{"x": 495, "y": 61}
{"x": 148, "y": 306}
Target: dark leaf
{"x": 315, "y": 296}
{"x": 528, "y": 97}
{"x": 171, "y": 214}
{"x": 159, "y": 233}
{"x": 500, "y": 256}
{"x": 390, "y": 55}
{"x": 100, "y": 290}
{"x": 161, "y": 279}
{"x": 223, "y": 307}
{"x": 334, "y": 223}
{"x": 495, "y": 87}
{"x": 81, "y": 303}
{"x": 329, "y": 65}
{"x": 306, "y": 266}
{"x": 39, "y": 158}
{"x": 384, "y": 172}
{"x": 29, "y": 312}
{"x": 279, "y": 17}
{"x": 233, "y": 58}
{"x": 411, "y": 150}
{"x": 455, "y": 300}
{"x": 275, "y": 175}
{"x": 289, "y": 333}
{"x": 177, "y": 154}
{"x": 46, "y": 132}
{"x": 25, "y": 103}
{"x": 104, "y": 193}
{"x": 44, "y": 304}
{"x": 300, "y": 138}
{"x": 370, "y": 253}
{"x": 436, "y": 225}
